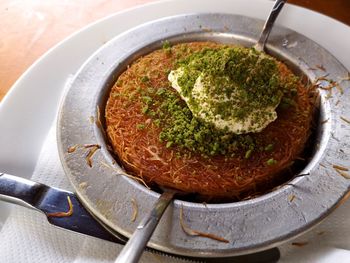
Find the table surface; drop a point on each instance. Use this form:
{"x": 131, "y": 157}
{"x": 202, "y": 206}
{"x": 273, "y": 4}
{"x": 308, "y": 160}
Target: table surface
{"x": 29, "y": 28}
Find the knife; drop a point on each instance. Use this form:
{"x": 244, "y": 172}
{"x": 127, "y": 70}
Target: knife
{"x": 50, "y": 201}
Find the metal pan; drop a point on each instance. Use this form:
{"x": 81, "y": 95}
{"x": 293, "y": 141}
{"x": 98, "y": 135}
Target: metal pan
{"x": 251, "y": 225}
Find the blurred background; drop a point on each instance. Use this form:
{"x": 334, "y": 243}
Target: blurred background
{"x": 30, "y": 27}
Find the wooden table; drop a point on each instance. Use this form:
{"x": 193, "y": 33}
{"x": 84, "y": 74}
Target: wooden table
{"x": 29, "y": 28}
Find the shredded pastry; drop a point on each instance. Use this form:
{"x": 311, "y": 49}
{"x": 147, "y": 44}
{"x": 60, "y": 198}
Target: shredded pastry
{"x": 135, "y": 134}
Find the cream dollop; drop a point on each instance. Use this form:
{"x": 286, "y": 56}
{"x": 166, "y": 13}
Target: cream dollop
{"x": 204, "y": 105}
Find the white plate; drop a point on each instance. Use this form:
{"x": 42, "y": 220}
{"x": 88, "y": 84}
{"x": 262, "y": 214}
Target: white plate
{"x": 29, "y": 109}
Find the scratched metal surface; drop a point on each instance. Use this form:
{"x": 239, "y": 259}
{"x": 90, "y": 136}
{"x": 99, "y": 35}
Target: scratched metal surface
{"x": 251, "y": 225}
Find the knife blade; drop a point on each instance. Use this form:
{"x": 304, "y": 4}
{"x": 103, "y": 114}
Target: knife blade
{"x": 50, "y": 200}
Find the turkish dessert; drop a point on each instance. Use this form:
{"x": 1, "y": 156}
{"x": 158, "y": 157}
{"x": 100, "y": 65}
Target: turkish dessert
{"x": 224, "y": 122}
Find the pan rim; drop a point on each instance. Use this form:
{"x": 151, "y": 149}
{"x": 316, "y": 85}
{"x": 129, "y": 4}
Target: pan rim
{"x": 74, "y": 172}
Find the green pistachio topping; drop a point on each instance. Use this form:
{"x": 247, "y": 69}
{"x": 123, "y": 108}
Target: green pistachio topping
{"x": 232, "y": 88}
{"x": 249, "y": 79}
{"x": 181, "y": 128}
{"x": 271, "y": 161}
{"x": 140, "y": 126}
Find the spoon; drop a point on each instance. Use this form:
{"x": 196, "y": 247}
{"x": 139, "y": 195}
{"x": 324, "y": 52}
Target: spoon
{"x": 133, "y": 249}
{"x": 276, "y": 9}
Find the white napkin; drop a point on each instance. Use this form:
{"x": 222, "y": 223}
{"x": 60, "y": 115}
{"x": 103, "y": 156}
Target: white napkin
{"x": 27, "y": 236}
{"x": 327, "y": 242}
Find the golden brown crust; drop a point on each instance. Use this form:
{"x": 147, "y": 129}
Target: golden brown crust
{"x": 142, "y": 154}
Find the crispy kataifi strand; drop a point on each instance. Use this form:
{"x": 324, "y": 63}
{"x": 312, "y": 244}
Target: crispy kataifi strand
{"x": 135, "y": 137}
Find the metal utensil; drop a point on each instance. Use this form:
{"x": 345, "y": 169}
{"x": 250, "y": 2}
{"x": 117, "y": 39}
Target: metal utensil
{"x": 49, "y": 200}
{"x": 134, "y": 248}
{"x": 276, "y": 9}
{"x": 265, "y": 218}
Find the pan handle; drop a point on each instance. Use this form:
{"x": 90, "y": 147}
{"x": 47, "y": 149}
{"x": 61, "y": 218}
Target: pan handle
{"x": 20, "y": 191}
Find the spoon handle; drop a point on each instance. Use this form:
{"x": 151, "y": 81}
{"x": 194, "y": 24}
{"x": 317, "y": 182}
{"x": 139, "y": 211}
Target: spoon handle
{"x": 133, "y": 249}
{"x": 277, "y": 7}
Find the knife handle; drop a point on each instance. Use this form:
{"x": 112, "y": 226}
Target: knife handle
{"x": 48, "y": 200}
{"x": 20, "y": 191}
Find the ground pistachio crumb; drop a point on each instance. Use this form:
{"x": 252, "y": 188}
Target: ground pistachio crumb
{"x": 140, "y": 126}
{"x": 271, "y": 161}
{"x": 232, "y": 87}
{"x": 178, "y": 124}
